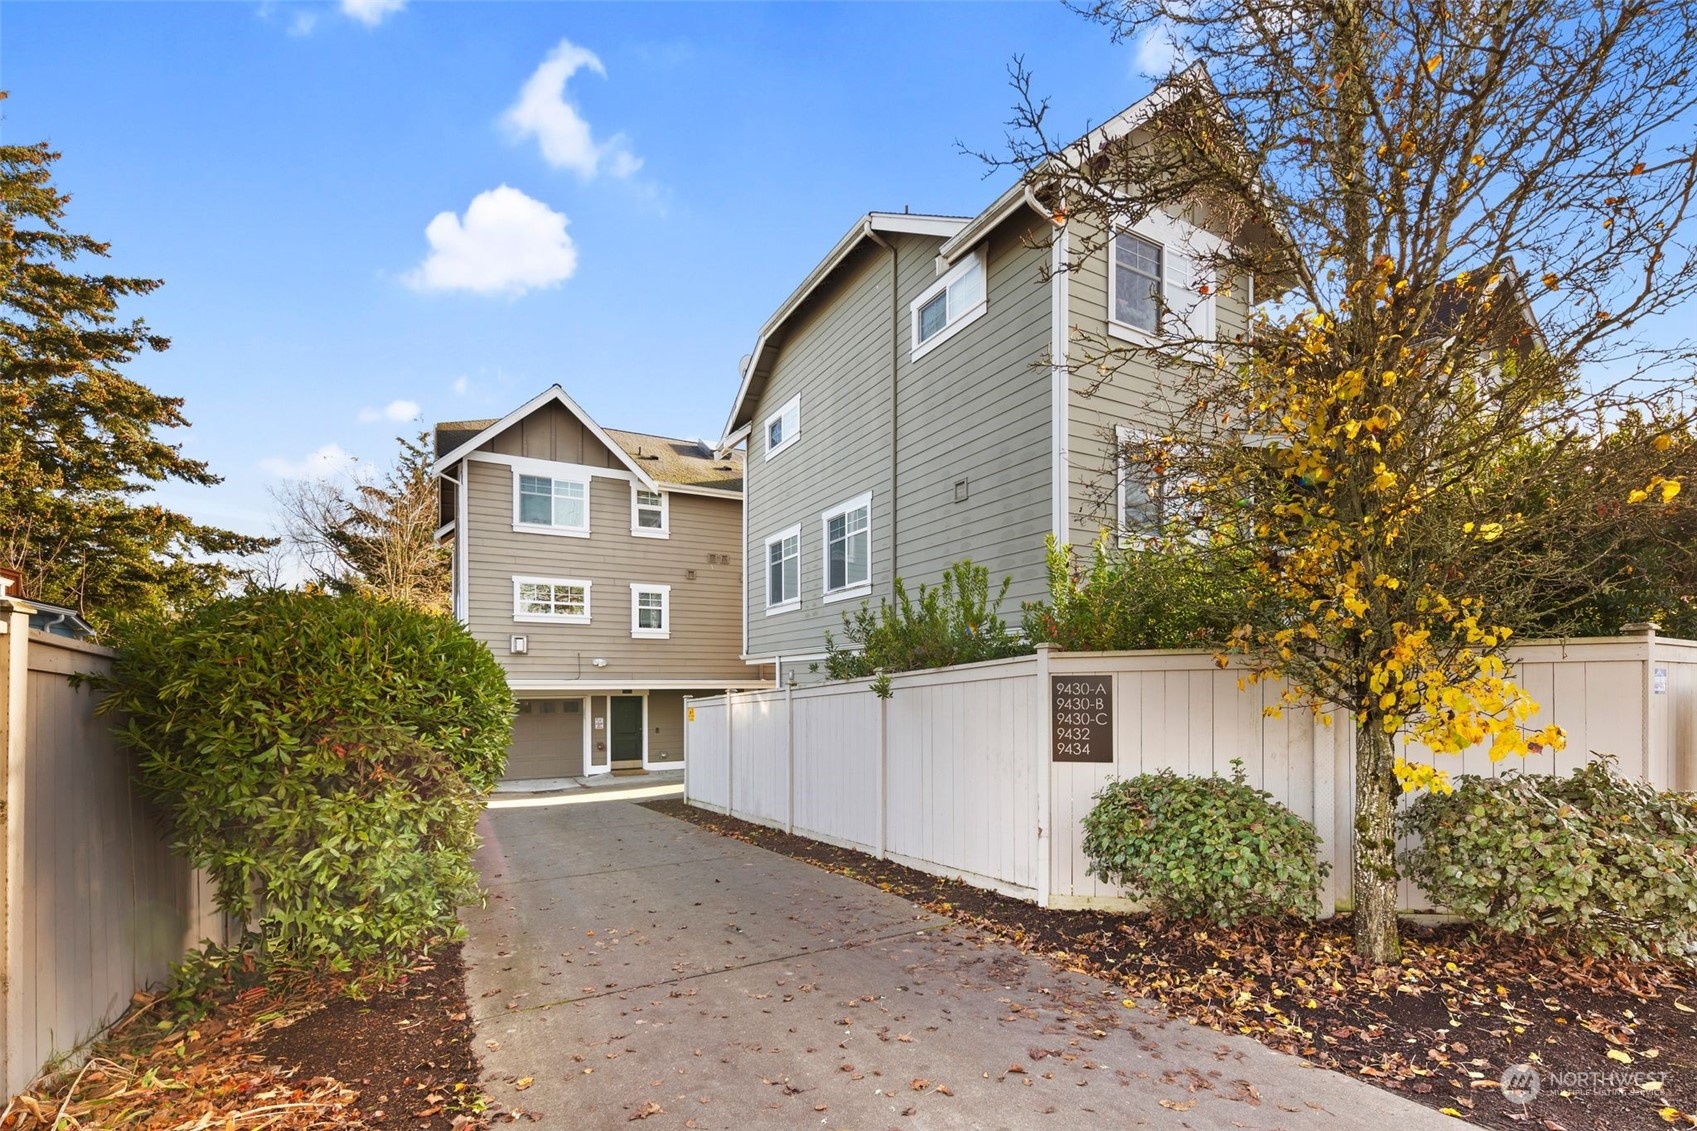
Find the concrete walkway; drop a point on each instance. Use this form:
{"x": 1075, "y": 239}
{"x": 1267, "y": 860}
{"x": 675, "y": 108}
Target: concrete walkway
{"x": 628, "y": 963}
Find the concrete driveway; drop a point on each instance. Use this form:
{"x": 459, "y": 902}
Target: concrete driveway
{"x": 631, "y": 967}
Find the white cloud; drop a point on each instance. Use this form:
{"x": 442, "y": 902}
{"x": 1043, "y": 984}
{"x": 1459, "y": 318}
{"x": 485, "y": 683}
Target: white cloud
{"x": 543, "y": 112}
{"x": 371, "y": 12}
{"x": 507, "y": 244}
{"x": 399, "y": 411}
{"x": 303, "y": 23}
{"x": 321, "y": 463}
{"x": 1159, "y": 52}
{"x": 462, "y": 385}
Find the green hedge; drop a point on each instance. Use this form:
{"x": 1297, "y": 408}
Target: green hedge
{"x": 1598, "y": 862}
{"x": 1213, "y": 848}
{"x": 324, "y": 758}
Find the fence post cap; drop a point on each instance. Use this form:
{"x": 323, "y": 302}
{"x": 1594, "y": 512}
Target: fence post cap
{"x": 1048, "y": 646}
{"x": 1640, "y": 628}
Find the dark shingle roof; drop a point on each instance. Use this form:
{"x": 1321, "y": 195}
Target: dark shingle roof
{"x": 450, "y": 434}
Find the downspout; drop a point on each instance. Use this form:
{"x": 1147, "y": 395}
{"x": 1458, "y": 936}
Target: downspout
{"x": 895, "y": 363}
{"x": 460, "y": 588}
{"x": 1059, "y": 392}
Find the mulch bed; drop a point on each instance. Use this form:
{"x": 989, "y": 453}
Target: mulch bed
{"x": 288, "y": 1054}
{"x": 1614, "y": 1043}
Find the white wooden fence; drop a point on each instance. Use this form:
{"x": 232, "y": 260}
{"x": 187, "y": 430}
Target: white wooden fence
{"x": 954, "y": 773}
{"x": 95, "y": 904}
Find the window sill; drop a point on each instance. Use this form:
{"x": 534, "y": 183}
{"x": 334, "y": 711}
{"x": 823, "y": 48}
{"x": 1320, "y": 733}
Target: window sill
{"x": 783, "y": 447}
{"x": 650, "y": 634}
{"x": 786, "y": 607}
{"x": 1128, "y": 333}
{"x": 848, "y": 594}
{"x": 950, "y": 330}
{"x": 545, "y": 618}
{"x": 554, "y": 531}
{"x": 648, "y": 532}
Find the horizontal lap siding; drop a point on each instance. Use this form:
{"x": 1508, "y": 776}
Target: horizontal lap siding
{"x": 977, "y": 407}
{"x": 837, "y": 356}
{"x": 1132, "y": 396}
{"x": 706, "y": 612}
{"x": 974, "y": 407}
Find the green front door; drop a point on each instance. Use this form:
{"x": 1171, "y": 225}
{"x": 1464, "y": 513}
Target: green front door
{"x": 627, "y": 728}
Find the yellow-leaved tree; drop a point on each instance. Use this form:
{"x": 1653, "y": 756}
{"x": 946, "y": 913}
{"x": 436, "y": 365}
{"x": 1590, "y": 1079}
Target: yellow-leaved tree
{"x": 1447, "y": 219}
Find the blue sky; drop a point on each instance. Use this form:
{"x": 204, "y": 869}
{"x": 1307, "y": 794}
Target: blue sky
{"x": 303, "y": 177}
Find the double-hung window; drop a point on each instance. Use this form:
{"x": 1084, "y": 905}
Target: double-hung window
{"x": 848, "y": 548}
{"x": 650, "y": 611}
{"x": 1159, "y": 281}
{"x": 783, "y": 427}
{"x": 543, "y": 599}
{"x": 783, "y": 571}
{"x": 949, "y": 304}
{"x": 648, "y": 513}
{"x": 1138, "y": 280}
{"x": 553, "y": 506}
{"x": 1152, "y": 503}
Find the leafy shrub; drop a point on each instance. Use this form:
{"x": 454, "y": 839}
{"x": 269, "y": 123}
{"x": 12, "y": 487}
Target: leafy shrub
{"x": 955, "y": 623}
{"x": 1213, "y": 847}
{"x": 1597, "y": 862}
{"x": 1170, "y": 594}
{"x": 323, "y": 758}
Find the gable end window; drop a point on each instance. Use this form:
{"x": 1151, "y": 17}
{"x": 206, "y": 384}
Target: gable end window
{"x": 550, "y": 506}
{"x": 783, "y": 571}
{"x": 848, "y": 548}
{"x": 650, "y": 611}
{"x": 950, "y": 304}
{"x": 783, "y": 427}
{"x": 551, "y": 599}
{"x": 648, "y": 513}
{"x": 1138, "y": 280}
{"x": 1145, "y": 273}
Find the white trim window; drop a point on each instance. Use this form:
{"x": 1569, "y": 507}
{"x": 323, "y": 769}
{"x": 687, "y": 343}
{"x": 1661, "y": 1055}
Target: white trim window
{"x": 649, "y": 512}
{"x": 783, "y": 571}
{"x": 545, "y": 505}
{"x": 1155, "y": 265}
{"x": 551, "y": 600}
{"x": 847, "y": 530}
{"x": 650, "y": 611}
{"x": 783, "y": 427}
{"x": 950, "y": 304}
{"x": 1148, "y": 503}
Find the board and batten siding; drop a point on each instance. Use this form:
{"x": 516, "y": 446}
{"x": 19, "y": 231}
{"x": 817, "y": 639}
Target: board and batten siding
{"x": 705, "y": 611}
{"x": 1131, "y": 396}
{"x": 974, "y": 407}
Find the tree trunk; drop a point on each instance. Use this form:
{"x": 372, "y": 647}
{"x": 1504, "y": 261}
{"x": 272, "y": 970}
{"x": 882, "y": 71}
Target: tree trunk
{"x": 1375, "y": 844}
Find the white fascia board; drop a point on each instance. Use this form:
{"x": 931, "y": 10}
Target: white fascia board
{"x": 897, "y": 222}
{"x": 972, "y": 233}
{"x": 552, "y": 393}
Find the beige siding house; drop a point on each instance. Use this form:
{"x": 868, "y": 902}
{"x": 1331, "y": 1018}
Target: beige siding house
{"x": 918, "y": 400}
{"x": 604, "y": 570}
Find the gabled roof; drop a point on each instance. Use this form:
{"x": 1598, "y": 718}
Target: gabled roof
{"x": 682, "y": 463}
{"x": 863, "y": 230}
{"x": 553, "y": 394}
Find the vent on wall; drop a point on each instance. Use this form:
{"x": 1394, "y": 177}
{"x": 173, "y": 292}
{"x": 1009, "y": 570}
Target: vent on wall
{"x": 960, "y": 490}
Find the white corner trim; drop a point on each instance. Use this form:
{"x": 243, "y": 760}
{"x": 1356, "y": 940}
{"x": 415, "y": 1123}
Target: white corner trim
{"x": 1059, "y": 393}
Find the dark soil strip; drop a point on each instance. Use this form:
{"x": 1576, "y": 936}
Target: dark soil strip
{"x": 407, "y": 1050}
{"x": 1613, "y": 1043}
